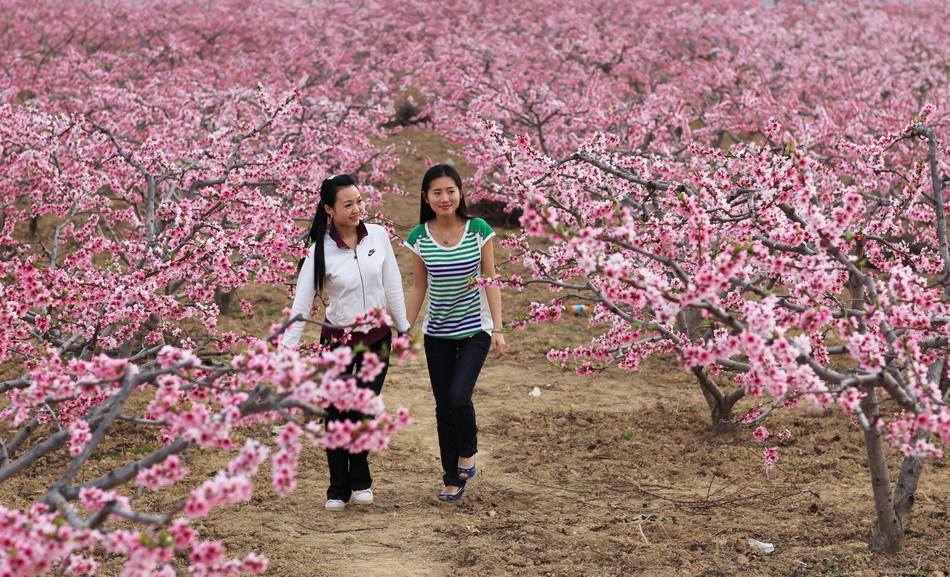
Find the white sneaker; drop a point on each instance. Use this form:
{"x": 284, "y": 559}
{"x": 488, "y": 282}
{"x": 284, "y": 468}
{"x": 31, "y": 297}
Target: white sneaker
{"x": 334, "y": 505}
{"x": 363, "y": 497}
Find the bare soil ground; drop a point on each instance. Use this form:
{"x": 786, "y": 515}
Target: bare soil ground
{"x": 608, "y": 476}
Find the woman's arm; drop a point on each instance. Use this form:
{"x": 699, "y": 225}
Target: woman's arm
{"x": 498, "y": 345}
{"x": 303, "y": 301}
{"x": 417, "y": 294}
{"x": 392, "y": 284}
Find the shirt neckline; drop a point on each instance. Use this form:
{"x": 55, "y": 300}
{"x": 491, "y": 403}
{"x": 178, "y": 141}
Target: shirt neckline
{"x": 361, "y": 233}
{"x": 448, "y": 246}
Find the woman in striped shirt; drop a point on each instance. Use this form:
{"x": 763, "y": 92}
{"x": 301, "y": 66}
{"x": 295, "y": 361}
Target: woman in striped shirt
{"x": 463, "y": 320}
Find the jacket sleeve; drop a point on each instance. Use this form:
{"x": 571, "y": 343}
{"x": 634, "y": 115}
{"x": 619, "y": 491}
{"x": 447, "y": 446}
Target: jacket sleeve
{"x": 303, "y": 301}
{"x": 392, "y": 284}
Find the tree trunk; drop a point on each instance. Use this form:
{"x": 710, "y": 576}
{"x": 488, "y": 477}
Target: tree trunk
{"x": 223, "y": 298}
{"x": 907, "y": 481}
{"x": 913, "y": 467}
{"x": 720, "y": 404}
{"x": 889, "y": 529}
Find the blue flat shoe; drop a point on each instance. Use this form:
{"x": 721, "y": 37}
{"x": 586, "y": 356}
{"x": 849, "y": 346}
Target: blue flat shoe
{"x": 465, "y": 474}
{"x": 451, "y": 497}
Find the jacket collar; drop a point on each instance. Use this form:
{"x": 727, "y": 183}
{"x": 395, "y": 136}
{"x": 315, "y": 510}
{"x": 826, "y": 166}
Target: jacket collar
{"x": 361, "y": 232}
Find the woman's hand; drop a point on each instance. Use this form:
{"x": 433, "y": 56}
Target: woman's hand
{"x": 498, "y": 345}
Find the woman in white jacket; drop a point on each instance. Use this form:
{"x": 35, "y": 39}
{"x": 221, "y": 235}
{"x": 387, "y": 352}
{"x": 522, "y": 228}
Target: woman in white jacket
{"x": 352, "y": 266}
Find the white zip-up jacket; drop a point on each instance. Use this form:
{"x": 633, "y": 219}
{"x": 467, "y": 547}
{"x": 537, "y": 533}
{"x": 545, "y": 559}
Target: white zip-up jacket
{"x": 356, "y": 280}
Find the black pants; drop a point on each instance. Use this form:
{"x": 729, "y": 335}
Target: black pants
{"x": 454, "y": 365}
{"x": 350, "y": 471}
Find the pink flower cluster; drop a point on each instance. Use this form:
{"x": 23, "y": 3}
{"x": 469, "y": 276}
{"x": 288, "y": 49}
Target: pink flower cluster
{"x": 403, "y": 349}
{"x": 370, "y": 367}
{"x": 221, "y": 490}
{"x": 35, "y": 541}
{"x": 371, "y": 319}
{"x": 168, "y": 472}
{"x": 540, "y": 313}
{"x": 284, "y": 463}
{"x": 368, "y": 435}
{"x": 79, "y": 436}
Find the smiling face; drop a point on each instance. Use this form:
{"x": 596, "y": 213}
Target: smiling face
{"x": 348, "y": 209}
{"x": 443, "y": 196}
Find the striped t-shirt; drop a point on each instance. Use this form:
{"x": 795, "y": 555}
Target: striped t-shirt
{"x": 457, "y": 308}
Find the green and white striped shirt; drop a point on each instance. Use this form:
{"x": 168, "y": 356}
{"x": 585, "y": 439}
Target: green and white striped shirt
{"x": 457, "y": 308}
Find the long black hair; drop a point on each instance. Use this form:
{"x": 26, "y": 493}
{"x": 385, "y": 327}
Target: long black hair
{"x": 318, "y": 228}
{"x": 425, "y": 211}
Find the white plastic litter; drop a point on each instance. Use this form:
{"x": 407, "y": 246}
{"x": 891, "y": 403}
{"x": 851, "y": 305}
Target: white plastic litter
{"x": 765, "y": 547}
{"x": 535, "y": 392}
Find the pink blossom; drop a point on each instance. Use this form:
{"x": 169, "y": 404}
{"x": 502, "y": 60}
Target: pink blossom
{"x": 751, "y": 416}
{"x": 207, "y": 553}
{"x": 163, "y": 474}
{"x": 222, "y": 490}
{"x": 370, "y": 367}
{"x": 94, "y": 499}
{"x": 79, "y": 436}
{"x": 250, "y": 457}
{"x": 79, "y": 566}
{"x": 850, "y": 400}
{"x": 923, "y": 450}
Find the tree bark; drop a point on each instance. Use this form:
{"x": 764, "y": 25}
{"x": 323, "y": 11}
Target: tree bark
{"x": 720, "y": 404}
{"x": 223, "y": 298}
{"x": 913, "y": 467}
{"x": 889, "y": 528}
{"x": 906, "y": 490}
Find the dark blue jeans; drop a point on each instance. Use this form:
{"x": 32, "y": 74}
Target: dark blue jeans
{"x": 350, "y": 471}
{"x": 454, "y": 365}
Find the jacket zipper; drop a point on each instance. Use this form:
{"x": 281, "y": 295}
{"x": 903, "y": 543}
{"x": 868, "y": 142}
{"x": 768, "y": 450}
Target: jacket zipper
{"x": 359, "y": 269}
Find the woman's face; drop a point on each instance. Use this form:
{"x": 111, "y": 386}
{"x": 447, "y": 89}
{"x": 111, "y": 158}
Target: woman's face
{"x": 443, "y": 196}
{"x": 348, "y": 209}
